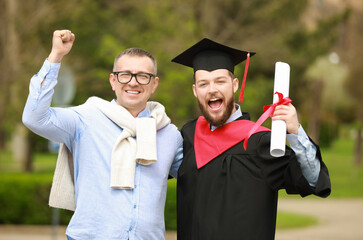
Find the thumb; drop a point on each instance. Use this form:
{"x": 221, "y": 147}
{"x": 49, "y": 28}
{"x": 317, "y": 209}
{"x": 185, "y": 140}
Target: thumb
{"x": 67, "y": 36}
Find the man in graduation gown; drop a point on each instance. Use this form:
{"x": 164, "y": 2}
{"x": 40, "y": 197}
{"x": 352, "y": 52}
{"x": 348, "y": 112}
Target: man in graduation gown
{"x": 224, "y": 190}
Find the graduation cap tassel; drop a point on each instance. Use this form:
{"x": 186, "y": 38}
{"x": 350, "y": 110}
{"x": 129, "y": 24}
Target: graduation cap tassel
{"x": 240, "y": 99}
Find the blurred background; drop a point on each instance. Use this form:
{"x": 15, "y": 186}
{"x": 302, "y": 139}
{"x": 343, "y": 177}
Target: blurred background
{"x": 320, "y": 39}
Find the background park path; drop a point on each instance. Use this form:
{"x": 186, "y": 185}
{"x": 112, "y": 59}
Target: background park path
{"x": 339, "y": 219}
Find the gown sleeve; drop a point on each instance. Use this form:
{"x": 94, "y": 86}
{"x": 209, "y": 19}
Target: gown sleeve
{"x": 285, "y": 172}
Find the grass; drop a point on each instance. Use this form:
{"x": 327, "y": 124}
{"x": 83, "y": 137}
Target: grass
{"x": 287, "y": 220}
{"x": 346, "y": 178}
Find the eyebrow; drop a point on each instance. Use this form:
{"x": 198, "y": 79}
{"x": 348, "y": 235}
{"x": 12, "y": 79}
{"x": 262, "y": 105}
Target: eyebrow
{"x": 221, "y": 77}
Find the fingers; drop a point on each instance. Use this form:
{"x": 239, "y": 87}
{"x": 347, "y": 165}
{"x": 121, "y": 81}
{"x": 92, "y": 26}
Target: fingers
{"x": 64, "y": 35}
{"x": 62, "y": 44}
{"x": 288, "y": 114}
{"x": 284, "y": 110}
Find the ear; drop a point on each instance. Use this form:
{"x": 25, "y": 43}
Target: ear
{"x": 155, "y": 84}
{"x": 194, "y": 90}
{"x": 113, "y": 81}
{"x": 235, "y": 82}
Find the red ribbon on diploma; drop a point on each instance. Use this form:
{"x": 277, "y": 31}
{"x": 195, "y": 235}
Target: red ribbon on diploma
{"x": 268, "y": 111}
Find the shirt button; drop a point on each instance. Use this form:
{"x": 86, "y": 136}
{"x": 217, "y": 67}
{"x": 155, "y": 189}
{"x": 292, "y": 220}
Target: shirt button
{"x": 134, "y": 206}
{"x": 130, "y": 229}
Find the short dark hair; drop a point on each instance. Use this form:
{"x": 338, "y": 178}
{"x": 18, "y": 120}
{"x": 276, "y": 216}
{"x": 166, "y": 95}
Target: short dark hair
{"x": 138, "y": 52}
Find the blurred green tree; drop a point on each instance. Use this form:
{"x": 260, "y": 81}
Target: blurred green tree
{"x": 103, "y": 28}
{"x": 351, "y": 49}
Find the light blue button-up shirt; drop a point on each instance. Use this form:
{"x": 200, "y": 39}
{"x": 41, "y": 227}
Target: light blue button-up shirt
{"x": 304, "y": 149}
{"x": 103, "y": 212}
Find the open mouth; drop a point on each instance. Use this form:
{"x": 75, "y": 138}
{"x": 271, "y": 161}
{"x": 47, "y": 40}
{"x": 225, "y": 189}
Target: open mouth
{"x": 215, "y": 103}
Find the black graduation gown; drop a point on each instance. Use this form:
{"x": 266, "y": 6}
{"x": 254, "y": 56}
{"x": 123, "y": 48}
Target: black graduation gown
{"x": 235, "y": 195}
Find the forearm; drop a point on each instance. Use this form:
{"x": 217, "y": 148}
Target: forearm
{"x": 41, "y": 90}
{"x": 38, "y": 116}
{"x": 305, "y": 152}
{"x": 178, "y": 158}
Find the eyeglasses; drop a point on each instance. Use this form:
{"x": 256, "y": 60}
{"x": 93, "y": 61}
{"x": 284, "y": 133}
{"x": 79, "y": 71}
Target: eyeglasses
{"x": 141, "y": 78}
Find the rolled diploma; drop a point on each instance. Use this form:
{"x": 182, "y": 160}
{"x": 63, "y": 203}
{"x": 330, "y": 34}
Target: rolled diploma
{"x": 278, "y": 127}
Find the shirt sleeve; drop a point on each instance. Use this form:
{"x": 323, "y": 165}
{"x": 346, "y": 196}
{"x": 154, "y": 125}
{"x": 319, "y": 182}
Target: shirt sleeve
{"x": 56, "y": 124}
{"x": 305, "y": 152}
{"x": 178, "y": 158}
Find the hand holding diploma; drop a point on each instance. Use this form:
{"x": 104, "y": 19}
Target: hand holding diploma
{"x": 288, "y": 114}
{"x": 282, "y": 112}
{"x": 284, "y": 118}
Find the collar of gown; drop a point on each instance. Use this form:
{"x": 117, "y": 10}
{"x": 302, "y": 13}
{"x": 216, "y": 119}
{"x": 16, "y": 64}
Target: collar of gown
{"x": 209, "y": 144}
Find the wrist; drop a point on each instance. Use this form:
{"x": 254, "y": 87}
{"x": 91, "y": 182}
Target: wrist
{"x": 55, "y": 58}
{"x": 295, "y": 129}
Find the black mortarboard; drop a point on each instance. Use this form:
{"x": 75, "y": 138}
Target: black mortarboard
{"x": 209, "y": 55}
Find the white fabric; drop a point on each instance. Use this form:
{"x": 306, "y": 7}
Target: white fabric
{"x": 62, "y": 191}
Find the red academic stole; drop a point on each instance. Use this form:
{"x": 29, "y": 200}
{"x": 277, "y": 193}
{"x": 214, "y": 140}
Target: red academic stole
{"x": 209, "y": 144}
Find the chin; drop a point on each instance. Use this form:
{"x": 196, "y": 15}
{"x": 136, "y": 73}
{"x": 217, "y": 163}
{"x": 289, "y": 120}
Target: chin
{"x": 217, "y": 119}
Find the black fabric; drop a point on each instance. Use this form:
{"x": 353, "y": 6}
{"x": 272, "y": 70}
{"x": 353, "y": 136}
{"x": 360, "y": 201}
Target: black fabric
{"x": 235, "y": 195}
{"x": 211, "y": 60}
{"x": 210, "y": 55}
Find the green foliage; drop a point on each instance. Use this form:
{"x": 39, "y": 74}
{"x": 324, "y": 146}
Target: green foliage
{"x": 288, "y": 220}
{"x": 274, "y": 29}
{"x": 328, "y": 133}
{"x": 175, "y": 92}
{"x": 346, "y": 178}
{"x": 170, "y": 206}
{"x": 24, "y": 199}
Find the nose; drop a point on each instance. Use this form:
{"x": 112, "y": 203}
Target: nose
{"x": 133, "y": 81}
{"x": 212, "y": 88}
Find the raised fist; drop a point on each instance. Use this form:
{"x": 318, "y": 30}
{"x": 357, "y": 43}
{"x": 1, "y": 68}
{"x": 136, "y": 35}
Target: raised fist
{"x": 62, "y": 44}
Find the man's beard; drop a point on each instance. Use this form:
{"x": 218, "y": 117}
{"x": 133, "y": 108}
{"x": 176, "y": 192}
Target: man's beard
{"x": 221, "y": 120}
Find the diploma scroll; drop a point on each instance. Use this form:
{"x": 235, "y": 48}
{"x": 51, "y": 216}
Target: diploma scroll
{"x": 278, "y": 127}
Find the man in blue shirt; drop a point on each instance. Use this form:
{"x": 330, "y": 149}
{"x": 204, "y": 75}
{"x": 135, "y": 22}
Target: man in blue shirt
{"x": 121, "y": 152}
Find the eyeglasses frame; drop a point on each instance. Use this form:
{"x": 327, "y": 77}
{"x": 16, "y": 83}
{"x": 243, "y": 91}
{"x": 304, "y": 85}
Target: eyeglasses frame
{"x": 134, "y": 75}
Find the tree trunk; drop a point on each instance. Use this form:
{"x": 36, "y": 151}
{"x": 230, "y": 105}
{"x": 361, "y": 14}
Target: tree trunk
{"x": 314, "y": 118}
{"x": 358, "y": 148}
{"x": 22, "y": 150}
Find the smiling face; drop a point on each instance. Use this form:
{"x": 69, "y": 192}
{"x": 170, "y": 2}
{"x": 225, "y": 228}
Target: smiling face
{"x": 132, "y": 95}
{"x": 214, "y": 91}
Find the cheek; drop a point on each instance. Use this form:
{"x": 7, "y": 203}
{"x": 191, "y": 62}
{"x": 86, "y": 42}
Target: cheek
{"x": 200, "y": 97}
{"x": 200, "y": 93}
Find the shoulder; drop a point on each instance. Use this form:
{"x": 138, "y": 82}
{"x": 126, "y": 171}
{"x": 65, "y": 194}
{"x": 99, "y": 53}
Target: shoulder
{"x": 169, "y": 136}
{"x": 170, "y": 131}
{"x": 169, "y": 128}
{"x": 189, "y": 126}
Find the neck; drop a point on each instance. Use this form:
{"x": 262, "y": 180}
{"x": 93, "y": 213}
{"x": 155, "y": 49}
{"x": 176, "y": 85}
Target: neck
{"x": 133, "y": 111}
